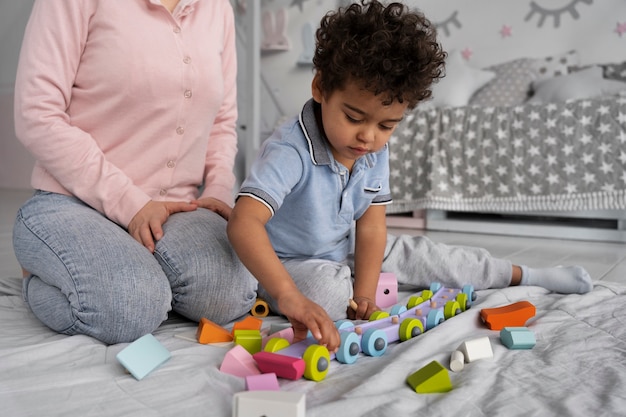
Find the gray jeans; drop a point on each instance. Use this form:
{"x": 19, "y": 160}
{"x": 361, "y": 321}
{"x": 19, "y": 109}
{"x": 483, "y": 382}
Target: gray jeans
{"x": 416, "y": 261}
{"x": 89, "y": 276}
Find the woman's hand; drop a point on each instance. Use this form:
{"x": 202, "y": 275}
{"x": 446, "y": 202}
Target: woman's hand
{"x": 362, "y": 309}
{"x": 147, "y": 225}
{"x": 305, "y": 315}
{"x": 215, "y": 205}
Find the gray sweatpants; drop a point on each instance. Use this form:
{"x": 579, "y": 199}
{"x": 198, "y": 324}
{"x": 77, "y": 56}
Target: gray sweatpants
{"x": 416, "y": 261}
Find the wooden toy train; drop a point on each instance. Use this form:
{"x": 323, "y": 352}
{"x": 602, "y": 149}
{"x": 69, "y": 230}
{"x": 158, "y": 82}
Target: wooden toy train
{"x": 310, "y": 360}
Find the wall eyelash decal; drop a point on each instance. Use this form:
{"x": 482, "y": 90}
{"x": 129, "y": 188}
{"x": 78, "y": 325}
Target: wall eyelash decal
{"x": 444, "y": 26}
{"x": 554, "y": 13}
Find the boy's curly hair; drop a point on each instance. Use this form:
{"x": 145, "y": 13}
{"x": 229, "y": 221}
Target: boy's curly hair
{"x": 389, "y": 49}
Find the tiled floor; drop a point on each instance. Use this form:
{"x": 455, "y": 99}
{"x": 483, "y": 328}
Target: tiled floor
{"x": 603, "y": 260}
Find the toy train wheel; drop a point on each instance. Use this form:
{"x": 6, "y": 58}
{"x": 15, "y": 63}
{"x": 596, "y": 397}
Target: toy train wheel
{"x": 435, "y": 286}
{"x": 434, "y": 318}
{"x": 275, "y": 344}
{"x": 397, "y": 310}
{"x": 378, "y": 315}
{"x": 344, "y": 324}
{"x": 410, "y": 328}
{"x": 349, "y": 348}
{"x": 414, "y": 301}
{"x": 451, "y": 309}
{"x": 374, "y": 342}
{"x": 427, "y": 295}
{"x": 317, "y": 361}
{"x": 463, "y": 301}
{"x": 471, "y": 294}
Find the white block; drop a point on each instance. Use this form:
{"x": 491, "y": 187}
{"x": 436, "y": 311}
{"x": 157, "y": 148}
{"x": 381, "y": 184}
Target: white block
{"x": 457, "y": 361}
{"x": 269, "y": 404}
{"x": 475, "y": 349}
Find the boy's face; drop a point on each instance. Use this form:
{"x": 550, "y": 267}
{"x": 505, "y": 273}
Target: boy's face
{"x": 355, "y": 121}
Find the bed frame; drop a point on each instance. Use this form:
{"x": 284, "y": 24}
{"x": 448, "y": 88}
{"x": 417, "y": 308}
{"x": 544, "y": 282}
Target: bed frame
{"x": 599, "y": 225}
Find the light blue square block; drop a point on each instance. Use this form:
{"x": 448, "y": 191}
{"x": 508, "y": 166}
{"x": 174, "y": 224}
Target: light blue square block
{"x": 143, "y": 356}
{"x": 517, "y": 338}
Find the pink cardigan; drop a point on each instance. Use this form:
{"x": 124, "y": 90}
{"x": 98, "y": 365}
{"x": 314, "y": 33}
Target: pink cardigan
{"x": 122, "y": 102}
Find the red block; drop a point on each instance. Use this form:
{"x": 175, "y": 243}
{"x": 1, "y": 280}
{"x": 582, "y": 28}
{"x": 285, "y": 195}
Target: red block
{"x": 284, "y": 366}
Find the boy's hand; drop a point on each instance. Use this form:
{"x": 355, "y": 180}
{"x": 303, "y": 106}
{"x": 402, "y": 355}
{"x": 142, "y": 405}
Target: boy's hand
{"x": 305, "y": 315}
{"x": 364, "y": 308}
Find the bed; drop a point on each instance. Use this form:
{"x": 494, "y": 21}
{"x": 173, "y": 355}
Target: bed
{"x": 577, "y": 367}
{"x": 484, "y": 146}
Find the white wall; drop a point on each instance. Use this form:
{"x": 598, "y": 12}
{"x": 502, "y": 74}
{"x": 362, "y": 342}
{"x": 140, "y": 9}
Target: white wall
{"x": 15, "y": 162}
{"x": 585, "y": 25}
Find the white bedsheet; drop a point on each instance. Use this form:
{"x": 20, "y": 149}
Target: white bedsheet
{"x": 577, "y": 368}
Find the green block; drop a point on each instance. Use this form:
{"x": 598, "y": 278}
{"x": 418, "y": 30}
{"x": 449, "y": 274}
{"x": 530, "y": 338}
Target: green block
{"x": 250, "y": 340}
{"x": 432, "y": 378}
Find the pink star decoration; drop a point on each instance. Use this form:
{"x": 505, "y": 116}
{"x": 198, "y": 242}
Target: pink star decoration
{"x": 506, "y": 31}
{"x": 621, "y": 28}
{"x": 467, "y": 53}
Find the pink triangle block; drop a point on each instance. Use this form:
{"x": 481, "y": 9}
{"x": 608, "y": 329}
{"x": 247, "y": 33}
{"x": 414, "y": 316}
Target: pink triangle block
{"x": 239, "y": 362}
{"x": 263, "y": 382}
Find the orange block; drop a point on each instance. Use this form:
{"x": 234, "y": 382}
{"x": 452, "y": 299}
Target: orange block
{"x": 209, "y": 332}
{"x": 249, "y": 323}
{"x": 512, "y": 315}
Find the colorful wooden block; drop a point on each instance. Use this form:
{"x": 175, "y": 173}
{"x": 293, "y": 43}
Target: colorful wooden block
{"x": 479, "y": 348}
{"x": 512, "y": 315}
{"x": 275, "y": 344}
{"x": 262, "y": 382}
{"x": 278, "y": 333}
{"x": 209, "y": 332}
{"x": 280, "y": 327}
{"x": 284, "y": 366}
{"x": 387, "y": 290}
{"x": 432, "y": 378}
{"x": 249, "y": 323}
{"x": 269, "y": 403}
{"x": 517, "y": 338}
{"x": 457, "y": 361}
{"x": 260, "y": 308}
{"x": 239, "y": 362}
{"x": 143, "y": 356}
{"x": 251, "y": 340}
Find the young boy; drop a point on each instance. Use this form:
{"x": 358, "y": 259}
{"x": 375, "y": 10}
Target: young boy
{"x": 292, "y": 225}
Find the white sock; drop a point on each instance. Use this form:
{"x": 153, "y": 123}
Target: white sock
{"x": 561, "y": 279}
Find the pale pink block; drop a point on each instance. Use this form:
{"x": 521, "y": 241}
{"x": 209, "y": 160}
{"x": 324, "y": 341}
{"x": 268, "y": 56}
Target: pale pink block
{"x": 387, "y": 290}
{"x": 262, "y": 382}
{"x": 239, "y": 362}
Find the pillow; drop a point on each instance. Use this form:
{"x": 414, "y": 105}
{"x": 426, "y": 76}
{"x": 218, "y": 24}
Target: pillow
{"x": 510, "y": 87}
{"x": 554, "y": 65}
{"x": 459, "y": 83}
{"x": 587, "y": 83}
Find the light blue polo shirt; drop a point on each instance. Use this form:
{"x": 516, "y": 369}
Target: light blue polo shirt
{"x": 313, "y": 198}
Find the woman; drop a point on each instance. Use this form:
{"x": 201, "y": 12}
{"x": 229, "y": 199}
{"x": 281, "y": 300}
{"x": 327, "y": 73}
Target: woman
{"x": 129, "y": 108}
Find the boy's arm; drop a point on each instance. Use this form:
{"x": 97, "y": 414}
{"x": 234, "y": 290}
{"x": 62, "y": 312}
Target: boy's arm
{"x": 371, "y": 238}
{"x": 247, "y": 234}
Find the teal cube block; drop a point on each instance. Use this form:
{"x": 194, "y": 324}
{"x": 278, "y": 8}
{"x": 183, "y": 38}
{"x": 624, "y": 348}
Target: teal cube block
{"x": 143, "y": 356}
{"x": 517, "y": 338}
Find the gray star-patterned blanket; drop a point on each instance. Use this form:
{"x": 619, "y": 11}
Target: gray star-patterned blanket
{"x": 535, "y": 157}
